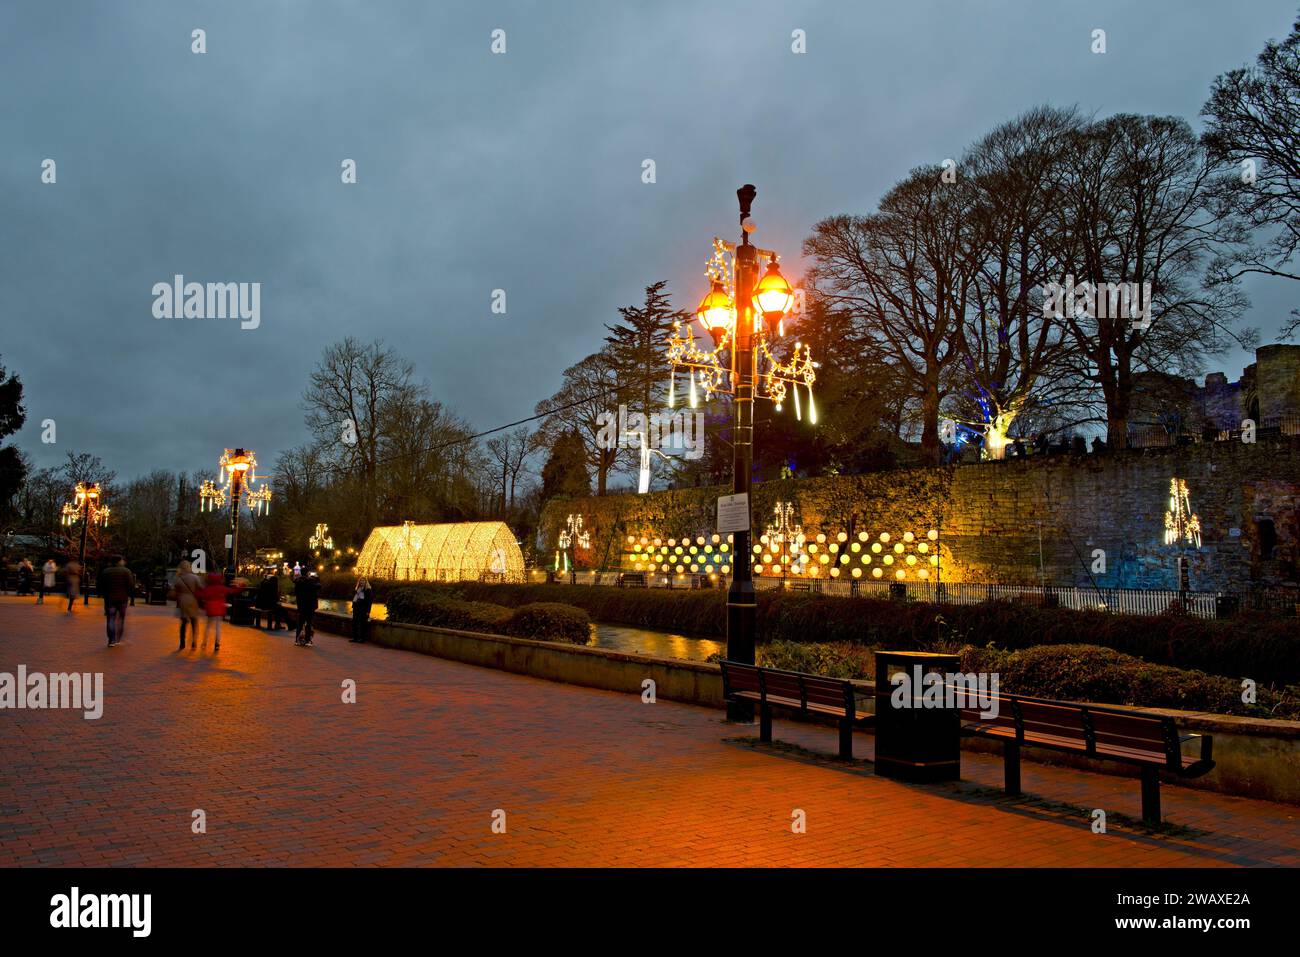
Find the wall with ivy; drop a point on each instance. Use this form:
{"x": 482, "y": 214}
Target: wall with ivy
{"x": 1062, "y": 519}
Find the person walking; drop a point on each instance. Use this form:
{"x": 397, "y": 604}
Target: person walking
{"x": 25, "y": 572}
{"x": 306, "y": 593}
{"x": 212, "y": 597}
{"x": 185, "y": 590}
{"x": 72, "y": 576}
{"x": 116, "y": 585}
{"x": 48, "y": 571}
{"x": 362, "y": 599}
{"x": 268, "y": 602}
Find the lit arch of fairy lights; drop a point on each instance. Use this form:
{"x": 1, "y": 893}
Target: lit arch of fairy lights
{"x": 459, "y": 551}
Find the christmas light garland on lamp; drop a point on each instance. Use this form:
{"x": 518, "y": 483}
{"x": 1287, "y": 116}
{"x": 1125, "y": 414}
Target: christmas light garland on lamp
{"x": 773, "y": 298}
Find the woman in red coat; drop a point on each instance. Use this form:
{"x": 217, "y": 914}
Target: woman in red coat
{"x": 212, "y": 597}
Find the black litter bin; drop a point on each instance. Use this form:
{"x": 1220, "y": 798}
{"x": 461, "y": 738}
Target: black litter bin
{"x": 915, "y": 739}
{"x": 241, "y": 606}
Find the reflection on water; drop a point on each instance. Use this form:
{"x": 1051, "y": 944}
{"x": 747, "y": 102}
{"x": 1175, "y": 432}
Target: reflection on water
{"x": 378, "y": 611}
{"x": 624, "y": 638}
{"x": 660, "y": 644}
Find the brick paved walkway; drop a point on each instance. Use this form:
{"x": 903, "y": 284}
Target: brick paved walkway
{"x": 259, "y": 738}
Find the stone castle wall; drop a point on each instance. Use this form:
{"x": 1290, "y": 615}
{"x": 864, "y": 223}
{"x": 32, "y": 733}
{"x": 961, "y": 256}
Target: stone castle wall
{"x": 1012, "y": 522}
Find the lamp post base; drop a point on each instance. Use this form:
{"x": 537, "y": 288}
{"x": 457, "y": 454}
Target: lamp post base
{"x": 742, "y": 621}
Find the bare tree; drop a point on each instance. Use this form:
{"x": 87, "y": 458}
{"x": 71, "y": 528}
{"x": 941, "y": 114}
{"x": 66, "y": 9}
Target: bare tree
{"x": 348, "y": 397}
{"x": 1014, "y": 351}
{"x": 592, "y": 389}
{"x": 905, "y": 276}
{"x": 1254, "y": 124}
{"x": 1138, "y": 208}
{"x": 510, "y": 450}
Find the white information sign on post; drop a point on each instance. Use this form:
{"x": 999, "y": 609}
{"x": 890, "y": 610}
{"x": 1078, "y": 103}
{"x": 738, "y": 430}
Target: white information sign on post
{"x": 733, "y": 513}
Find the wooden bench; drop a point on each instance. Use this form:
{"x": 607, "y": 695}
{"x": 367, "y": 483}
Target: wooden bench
{"x": 631, "y": 580}
{"x": 1149, "y": 741}
{"x": 794, "y": 691}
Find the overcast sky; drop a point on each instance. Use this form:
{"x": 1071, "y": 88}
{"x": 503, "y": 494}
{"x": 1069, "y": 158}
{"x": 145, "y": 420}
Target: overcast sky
{"x": 478, "y": 172}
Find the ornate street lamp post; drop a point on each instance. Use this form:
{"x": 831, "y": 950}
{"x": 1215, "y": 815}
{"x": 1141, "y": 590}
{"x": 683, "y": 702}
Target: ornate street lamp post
{"x": 743, "y": 315}
{"x": 239, "y": 468}
{"x": 85, "y": 509}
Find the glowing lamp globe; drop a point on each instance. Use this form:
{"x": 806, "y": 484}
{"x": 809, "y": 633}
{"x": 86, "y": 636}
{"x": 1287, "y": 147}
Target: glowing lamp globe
{"x": 773, "y": 296}
{"x": 716, "y": 312}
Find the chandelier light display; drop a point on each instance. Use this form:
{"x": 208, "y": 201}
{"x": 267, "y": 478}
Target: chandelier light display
{"x": 714, "y": 371}
{"x": 1181, "y": 523}
{"x": 460, "y": 551}
{"x": 571, "y": 536}
{"x": 321, "y": 538}
{"x": 782, "y": 544}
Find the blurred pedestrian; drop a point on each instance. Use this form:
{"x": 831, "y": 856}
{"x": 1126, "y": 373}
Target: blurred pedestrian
{"x": 268, "y": 602}
{"x": 48, "y": 571}
{"x": 306, "y": 593}
{"x": 116, "y": 585}
{"x": 25, "y": 573}
{"x": 362, "y": 598}
{"x": 72, "y": 578}
{"x": 185, "y": 590}
{"x": 212, "y": 597}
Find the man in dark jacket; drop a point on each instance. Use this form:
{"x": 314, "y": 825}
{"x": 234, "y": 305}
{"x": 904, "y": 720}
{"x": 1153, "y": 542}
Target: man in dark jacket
{"x": 116, "y": 585}
{"x": 268, "y": 602}
{"x": 306, "y": 591}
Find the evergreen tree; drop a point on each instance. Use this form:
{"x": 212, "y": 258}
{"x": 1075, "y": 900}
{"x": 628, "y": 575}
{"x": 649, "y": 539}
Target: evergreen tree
{"x": 13, "y": 470}
{"x": 637, "y": 346}
{"x": 565, "y": 473}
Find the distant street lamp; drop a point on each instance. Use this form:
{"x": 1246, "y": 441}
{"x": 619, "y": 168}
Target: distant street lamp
{"x": 85, "y": 508}
{"x": 239, "y": 471}
{"x": 743, "y": 314}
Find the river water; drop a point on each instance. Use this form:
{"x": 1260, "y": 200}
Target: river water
{"x": 625, "y": 638}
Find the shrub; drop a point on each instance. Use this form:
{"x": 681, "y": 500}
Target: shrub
{"x": 549, "y": 621}
{"x": 840, "y": 660}
{"x": 416, "y": 605}
{"x": 442, "y": 607}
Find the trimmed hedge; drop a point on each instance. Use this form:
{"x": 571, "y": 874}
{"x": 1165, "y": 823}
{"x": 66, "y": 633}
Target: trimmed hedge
{"x": 1265, "y": 649}
{"x": 1067, "y": 672}
{"x": 1090, "y": 673}
{"x": 682, "y": 611}
{"x": 440, "y": 607}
